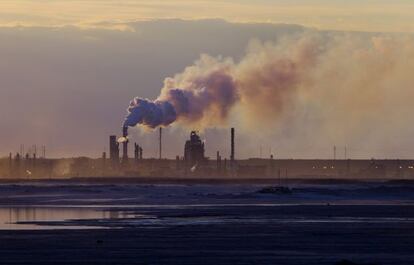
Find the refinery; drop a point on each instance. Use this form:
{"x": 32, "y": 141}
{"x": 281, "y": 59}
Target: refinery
{"x": 192, "y": 163}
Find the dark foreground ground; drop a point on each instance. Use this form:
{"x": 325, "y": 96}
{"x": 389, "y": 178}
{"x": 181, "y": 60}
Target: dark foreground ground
{"x": 169, "y": 224}
{"x": 288, "y": 243}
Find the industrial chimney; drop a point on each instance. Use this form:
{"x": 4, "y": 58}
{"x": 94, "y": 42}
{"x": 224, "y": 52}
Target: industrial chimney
{"x": 113, "y": 149}
{"x": 160, "y": 146}
{"x": 232, "y": 146}
{"x": 125, "y": 144}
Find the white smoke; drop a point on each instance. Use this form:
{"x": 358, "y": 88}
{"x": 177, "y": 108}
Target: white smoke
{"x": 122, "y": 139}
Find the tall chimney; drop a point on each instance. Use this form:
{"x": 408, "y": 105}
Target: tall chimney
{"x": 232, "y": 146}
{"x": 136, "y": 152}
{"x": 113, "y": 149}
{"x": 160, "y": 143}
{"x": 125, "y": 144}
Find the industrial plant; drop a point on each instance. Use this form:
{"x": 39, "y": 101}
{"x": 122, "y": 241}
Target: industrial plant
{"x": 193, "y": 163}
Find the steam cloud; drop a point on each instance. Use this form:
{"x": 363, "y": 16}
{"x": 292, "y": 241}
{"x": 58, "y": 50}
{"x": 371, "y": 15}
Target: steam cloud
{"x": 340, "y": 86}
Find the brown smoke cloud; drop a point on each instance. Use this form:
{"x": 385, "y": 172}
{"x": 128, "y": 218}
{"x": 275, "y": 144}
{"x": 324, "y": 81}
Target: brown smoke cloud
{"x": 315, "y": 87}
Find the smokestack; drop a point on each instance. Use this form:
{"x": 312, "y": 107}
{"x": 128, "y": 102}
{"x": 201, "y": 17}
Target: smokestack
{"x": 113, "y": 149}
{"x": 125, "y": 144}
{"x": 136, "y": 151}
{"x": 232, "y": 146}
{"x": 160, "y": 143}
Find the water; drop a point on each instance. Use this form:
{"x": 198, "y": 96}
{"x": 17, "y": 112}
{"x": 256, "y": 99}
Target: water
{"x": 206, "y": 224}
{"x": 15, "y": 218}
{"x": 32, "y": 217}
{"x": 72, "y": 206}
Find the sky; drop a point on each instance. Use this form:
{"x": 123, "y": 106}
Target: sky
{"x": 68, "y": 70}
{"x": 357, "y": 15}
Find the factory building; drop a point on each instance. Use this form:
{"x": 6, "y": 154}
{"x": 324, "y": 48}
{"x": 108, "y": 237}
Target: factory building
{"x": 194, "y": 150}
{"x": 29, "y": 165}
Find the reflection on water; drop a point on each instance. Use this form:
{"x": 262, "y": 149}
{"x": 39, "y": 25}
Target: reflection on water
{"x": 10, "y": 217}
{"x": 92, "y": 216}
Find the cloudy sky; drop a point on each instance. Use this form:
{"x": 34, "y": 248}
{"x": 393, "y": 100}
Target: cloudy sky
{"x": 68, "y": 69}
{"x": 365, "y": 15}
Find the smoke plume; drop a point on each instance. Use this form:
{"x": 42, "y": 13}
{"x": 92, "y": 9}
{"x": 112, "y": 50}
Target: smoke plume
{"x": 336, "y": 86}
{"x": 203, "y": 94}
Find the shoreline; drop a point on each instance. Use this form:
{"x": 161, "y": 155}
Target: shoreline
{"x": 208, "y": 181}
